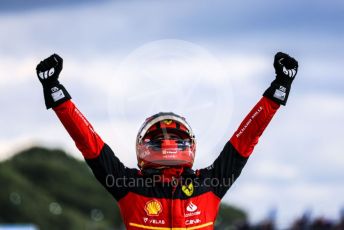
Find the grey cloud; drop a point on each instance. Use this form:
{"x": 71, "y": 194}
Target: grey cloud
{"x": 13, "y": 6}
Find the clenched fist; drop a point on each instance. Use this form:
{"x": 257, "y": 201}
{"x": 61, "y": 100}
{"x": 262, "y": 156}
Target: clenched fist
{"x": 286, "y": 69}
{"x": 285, "y": 66}
{"x": 49, "y": 69}
{"x": 48, "y": 72}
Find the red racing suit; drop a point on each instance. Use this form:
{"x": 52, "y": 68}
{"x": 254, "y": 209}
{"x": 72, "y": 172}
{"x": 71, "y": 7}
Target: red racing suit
{"x": 184, "y": 201}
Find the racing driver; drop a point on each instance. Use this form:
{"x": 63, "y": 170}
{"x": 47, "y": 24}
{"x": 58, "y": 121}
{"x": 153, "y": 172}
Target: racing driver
{"x": 167, "y": 193}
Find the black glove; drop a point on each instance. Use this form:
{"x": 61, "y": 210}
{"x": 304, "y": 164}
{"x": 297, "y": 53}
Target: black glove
{"x": 286, "y": 70}
{"x": 48, "y": 72}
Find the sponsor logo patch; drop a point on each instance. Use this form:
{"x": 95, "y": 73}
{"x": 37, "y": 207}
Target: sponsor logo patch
{"x": 153, "y": 221}
{"x": 57, "y": 95}
{"x": 153, "y": 207}
{"x": 191, "y": 207}
{"x": 192, "y": 210}
{"x": 188, "y": 189}
{"x": 192, "y": 221}
{"x": 280, "y": 93}
{"x": 167, "y": 122}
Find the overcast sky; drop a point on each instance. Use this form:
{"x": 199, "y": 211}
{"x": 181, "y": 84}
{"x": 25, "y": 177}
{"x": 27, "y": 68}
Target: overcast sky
{"x": 209, "y": 61}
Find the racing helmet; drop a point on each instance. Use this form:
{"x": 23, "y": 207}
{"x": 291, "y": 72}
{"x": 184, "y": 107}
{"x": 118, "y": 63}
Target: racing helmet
{"x": 165, "y": 140}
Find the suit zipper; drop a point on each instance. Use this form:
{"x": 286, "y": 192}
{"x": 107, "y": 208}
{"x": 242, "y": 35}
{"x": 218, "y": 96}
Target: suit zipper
{"x": 174, "y": 186}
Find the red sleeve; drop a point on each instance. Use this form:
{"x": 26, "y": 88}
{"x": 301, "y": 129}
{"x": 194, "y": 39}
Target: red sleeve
{"x": 252, "y": 127}
{"x": 85, "y": 138}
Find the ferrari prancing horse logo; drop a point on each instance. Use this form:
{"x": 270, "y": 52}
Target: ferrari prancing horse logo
{"x": 167, "y": 121}
{"x": 188, "y": 189}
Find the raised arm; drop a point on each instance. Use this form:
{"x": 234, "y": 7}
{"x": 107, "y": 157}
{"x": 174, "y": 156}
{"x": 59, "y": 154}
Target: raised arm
{"x": 97, "y": 154}
{"x": 227, "y": 167}
{"x": 56, "y": 97}
{"x": 251, "y": 128}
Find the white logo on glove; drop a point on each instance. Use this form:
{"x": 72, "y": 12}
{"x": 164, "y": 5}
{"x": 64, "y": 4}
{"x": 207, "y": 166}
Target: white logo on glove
{"x": 46, "y": 74}
{"x": 51, "y": 71}
{"x": 289, "y": 72}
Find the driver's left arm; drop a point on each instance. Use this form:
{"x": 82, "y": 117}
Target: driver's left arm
{"x": 229, "y": 164}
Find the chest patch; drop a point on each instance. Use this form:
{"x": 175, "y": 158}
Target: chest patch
{"x": 188, "y": 189}
{"x": 153, "y": 208}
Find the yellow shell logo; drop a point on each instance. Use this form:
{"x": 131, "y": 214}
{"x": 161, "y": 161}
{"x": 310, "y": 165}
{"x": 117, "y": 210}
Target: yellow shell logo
{"x": 153, "y": 208}
{"x": 167, "y": 122}
{"x": 188, "y": 189}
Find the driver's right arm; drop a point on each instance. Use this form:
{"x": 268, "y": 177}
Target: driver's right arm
{"x": 106, "y": 167}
